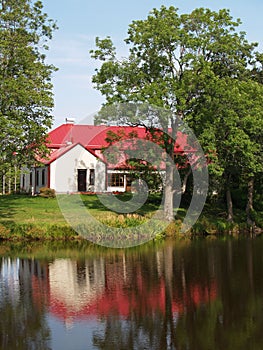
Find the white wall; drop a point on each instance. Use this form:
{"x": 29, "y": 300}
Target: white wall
{"x": 64, "y": 170}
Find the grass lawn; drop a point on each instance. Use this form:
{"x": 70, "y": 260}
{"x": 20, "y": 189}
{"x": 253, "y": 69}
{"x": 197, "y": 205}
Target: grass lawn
{"x": 23, "y": 209}
{"x": 24, "y": 217}
{"x": 29, "y": 217}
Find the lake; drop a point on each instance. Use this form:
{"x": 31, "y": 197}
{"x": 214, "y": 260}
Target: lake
{"x": 197, "y": 295}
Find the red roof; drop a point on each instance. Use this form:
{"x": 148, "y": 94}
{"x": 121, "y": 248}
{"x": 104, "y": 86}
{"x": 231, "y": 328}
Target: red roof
{"x": 71, "y": 133}
{"x": 93, "y": 137}
{"x": 99, "y": 140}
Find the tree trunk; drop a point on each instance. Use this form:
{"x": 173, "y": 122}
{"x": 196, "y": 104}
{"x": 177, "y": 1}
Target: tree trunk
{"x": 15, "y": 180}
{"x": 229, "y": 203}
{"x": 230, "y": 215}
{"x": 9, "y": 181}
{"x": 168, "y": 192}
{"x": 249, "y": 206}
{"x": 3, "y": 187}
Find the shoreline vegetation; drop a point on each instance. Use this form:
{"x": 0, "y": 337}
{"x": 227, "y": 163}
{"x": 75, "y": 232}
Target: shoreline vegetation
{"x": 26, "y": 218}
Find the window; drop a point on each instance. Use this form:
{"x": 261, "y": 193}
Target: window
{"x": 92, "y": 177}
{"x": 37, "y": 178}
{"x": 43, "y": 177}
{"x": 115, "y": 180}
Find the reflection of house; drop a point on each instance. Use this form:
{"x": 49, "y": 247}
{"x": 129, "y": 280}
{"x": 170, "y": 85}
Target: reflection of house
{"x": 100, "y": 287}
{"x": 9, "y": 285}
{"x": 76, "y": 162}
{"x": 97, "y": 287}
{"x": 73, "y": 285}
{"x": 21, "y": 276}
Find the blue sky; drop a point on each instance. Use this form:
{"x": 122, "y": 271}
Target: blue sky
{"x": 80, "y": 21}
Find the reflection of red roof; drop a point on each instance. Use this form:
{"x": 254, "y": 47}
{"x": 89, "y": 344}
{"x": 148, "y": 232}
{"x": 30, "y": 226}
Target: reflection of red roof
{"x": 93, "y": 137}
{"x": 121, "y": 302}
{"x": 124, "y": 295}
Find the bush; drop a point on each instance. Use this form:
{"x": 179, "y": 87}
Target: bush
{"x": 173, "y": 228}
{"x": 47, "y": 192}
{"x": 257, "y": 217}
{"x": 4, "y": 232}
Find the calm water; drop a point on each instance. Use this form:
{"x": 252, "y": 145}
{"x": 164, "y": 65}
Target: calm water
{"x": 190, "y": 295}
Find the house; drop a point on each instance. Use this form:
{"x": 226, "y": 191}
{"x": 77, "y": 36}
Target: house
{"x": 76, "y": 162}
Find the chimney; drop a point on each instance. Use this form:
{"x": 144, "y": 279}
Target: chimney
{"x": 70, "y": 120}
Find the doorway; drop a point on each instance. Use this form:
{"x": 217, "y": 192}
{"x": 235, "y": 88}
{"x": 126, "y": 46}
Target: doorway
{"x": 82, "y": 180}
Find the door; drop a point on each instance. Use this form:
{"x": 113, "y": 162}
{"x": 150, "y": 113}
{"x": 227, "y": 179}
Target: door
{"x": 82, "y": 180}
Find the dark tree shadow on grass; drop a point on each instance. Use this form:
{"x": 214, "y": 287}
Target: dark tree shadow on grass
{"x": 8, "y": 207}
{"x": 151, "y": 205}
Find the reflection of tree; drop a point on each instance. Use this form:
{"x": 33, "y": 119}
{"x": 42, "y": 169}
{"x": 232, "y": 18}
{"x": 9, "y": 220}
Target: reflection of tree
{"x": 235, "y": 319}
{"x": 199, "y": 296}
{"x": 242, "y": 291}
{"x": 22, "y": 322}
{"x": 166, "y": 286}
{"x": 117, "y": 336}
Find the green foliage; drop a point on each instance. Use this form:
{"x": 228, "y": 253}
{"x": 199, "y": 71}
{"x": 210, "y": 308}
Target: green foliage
{"x": 212, "y": 226}
{"x": 257, "y": 217}
{"x": 201, "y": 69}
{"x": 171, "y": 57}
{"x": 129, "y": 220}
{"x": 25, "y": 81}
{"x": 35, "y": 232}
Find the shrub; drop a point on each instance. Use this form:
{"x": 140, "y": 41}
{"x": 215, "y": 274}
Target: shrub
{"x": 173, "y": 228}
{"x": 47, "y": 192}
{"x": 257, "y": 217}
{"x": 4, "y": 232}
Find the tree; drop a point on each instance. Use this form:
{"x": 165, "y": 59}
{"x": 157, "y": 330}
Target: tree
{"x": 233, "y": 131}
{"x": 255, "y": 129}
{"x": 175, "y": 62}
{"x": 25, "y": 81}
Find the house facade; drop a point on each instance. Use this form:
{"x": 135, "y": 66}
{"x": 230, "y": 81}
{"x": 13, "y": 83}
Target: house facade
{"x": 76, "y": 162}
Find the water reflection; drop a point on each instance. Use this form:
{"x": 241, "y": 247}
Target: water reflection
{"x": 75, "y": 287}
{"x": 22, "y": 322}
{"x": 200, "y": 295}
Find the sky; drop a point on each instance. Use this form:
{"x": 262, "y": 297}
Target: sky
{"x": 81, "y": 21}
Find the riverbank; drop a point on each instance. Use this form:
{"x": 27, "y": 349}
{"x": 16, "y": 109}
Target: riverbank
{"x": 35, "y": 218}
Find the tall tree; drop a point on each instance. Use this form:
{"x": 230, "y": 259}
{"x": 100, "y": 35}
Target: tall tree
{"x": 229, "y": 121}
{"x": 255, "y": 130}
{"x": 25, "y": 80}
{"x": 171, "y": 59}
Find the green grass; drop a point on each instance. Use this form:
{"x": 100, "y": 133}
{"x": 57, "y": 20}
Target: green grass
{"x": 25, "y": 217}
{"x": 30, "y": 210}
{"x": 25, "y": 209}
